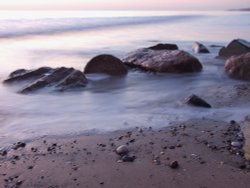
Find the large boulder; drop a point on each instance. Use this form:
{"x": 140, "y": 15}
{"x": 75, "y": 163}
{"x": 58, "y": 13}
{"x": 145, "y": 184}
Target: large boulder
{"x": 59, "y": 79}
{"x": 166, "y": 61}
{"x": 200, "y": 48}
{"x": 235, "y": 47}
{"x": 107, "y": 64}
{"x": 238, "y": 67}
{"x": 161, "y": 46}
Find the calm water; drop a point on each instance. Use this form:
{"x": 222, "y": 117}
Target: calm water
{"x": 34, "y": 39}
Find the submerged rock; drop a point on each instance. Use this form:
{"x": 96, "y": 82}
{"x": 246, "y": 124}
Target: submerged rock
{"x": 197, "y": 101}
{"x": 199, "y": 48}
{"x": 59, "y": 79}
{"x": 235, "y": 47}
{"x": 165, "y": 61}
{"x": 23, "y": 74}
{"x": 106, "y": 64}
{"x": 238, "y": 67}
{"x": 164, "y": 47}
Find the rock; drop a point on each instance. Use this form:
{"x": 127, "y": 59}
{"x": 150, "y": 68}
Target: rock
{"x": 238, "y": 67}
{"x": 127, "y": 158}
{"x": 19, "y": 145}
{"x": 246, "y": 132}
{"x": 197, "y": 101}
{"x": 22, "y": 74}
{"x": 235, "y": 47}
{"x": 199, "y": 48}
{"x": 236, "y": 144}
{"x": 164, "y": 47}
{"x": 122, "y": 150}
{"x": 59, "y": 79}
{"x": 174, "y": 164}
{"x": 165, "y": 61}
{"x": 3, "y": 152}
{"x": 106, "y": 64}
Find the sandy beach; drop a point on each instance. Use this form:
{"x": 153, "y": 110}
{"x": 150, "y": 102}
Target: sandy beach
{"x": 200, "y": 147}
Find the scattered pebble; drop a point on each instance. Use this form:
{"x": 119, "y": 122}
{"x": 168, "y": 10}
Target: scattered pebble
{"x": 122, "y": 150}
{"x": 174, "y": 164}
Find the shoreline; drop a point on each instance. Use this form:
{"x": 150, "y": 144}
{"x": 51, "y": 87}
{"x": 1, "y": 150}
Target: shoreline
{"x": 201, "y": 148}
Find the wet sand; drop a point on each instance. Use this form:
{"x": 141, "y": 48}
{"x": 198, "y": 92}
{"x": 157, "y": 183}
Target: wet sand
{"x": 201, "y": 147}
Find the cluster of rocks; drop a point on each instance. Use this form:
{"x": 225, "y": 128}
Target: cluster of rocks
{"x": 161, "y": 58}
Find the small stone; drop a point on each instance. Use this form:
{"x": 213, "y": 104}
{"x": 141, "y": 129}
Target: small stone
{"x": 172, "y": 147}
{"x": 3, "y": 152}
{"x": 236, "y": 144}
{"x": 174, "y": 164}
{"x": 127, "y": 158}
{"x": 232, "y": 122}
{"x": 122, "y": 150}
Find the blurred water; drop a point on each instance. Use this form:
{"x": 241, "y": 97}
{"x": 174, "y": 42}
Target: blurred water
{"x": 140, "y": 99}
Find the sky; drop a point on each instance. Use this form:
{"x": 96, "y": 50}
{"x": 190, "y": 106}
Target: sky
{"x": 123, "y": 4}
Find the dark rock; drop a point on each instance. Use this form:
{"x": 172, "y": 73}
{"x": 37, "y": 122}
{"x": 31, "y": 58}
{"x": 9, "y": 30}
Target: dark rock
{"x": 106, "y": 64}
{"x": 238, "y": 67}
{"x": 197, "y": 101}
{"x": 127, "y": 158}
{"x": 22, "y": 74}
{"x": 19, "y": 145}
{"x": 199, "y": 48}
{"x": 164, "y": 47}
{"x": 59, "y": 79}
{"x": 166, "y": 61}
{"x": 3, "y": 153}
{"x": 235, "y": 47}
{"x": 174, "y": 164}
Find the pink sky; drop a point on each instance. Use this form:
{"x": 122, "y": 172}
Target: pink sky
{"x": 124, "y": 4}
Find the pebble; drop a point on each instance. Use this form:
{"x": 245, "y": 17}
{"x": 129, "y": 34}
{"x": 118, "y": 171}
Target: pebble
{"x": 127, "y": 158}
{"x": 236, "y": 144}
{"x": 174, "y": 164}
{"x": 122, "y": 150}
{"x": 19, "y": 145}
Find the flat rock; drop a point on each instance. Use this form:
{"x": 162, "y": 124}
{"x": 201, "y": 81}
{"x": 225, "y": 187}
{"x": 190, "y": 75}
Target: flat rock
{"x": 161, "y": 46}
{"x": 107, "y": 64}
{"x": 199, "y": 48}
{"x": 238, "y": 67}
{"x": 164, "y": 61}
{"x": 58, "y": 79}
{"x": 197, "y": 101}
{"x": 235, "y": 47}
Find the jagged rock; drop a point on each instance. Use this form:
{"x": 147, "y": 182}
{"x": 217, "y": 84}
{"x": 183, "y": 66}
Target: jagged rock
{"x": 23, "y": 74}
{"x": 235, "y": 47}
{"x": 238, "y": 67}
{"x": 59, "y": 79}
{"x": 197, "y": 101}
{"x": 106, "y": 64}
{"x": 199, "y": 48}
{"x": 164, "y": 47}
{"x": 166, "y": 61}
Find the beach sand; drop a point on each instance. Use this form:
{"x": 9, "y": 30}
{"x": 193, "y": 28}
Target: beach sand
{"x": 201, "y": 147}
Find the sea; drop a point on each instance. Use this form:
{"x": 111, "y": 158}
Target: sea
{"x": 31, "y": 39}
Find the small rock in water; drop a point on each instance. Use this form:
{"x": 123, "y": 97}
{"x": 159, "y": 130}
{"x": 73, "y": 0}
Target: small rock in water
{"x": 122, "y": 150}
{"x": 19, "y": 145}
{"x": 196, "y": 101}
{"x": 174, "y": 164}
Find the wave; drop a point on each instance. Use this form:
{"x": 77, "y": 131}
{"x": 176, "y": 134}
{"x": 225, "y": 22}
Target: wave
{"x": 24, "y": 27}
